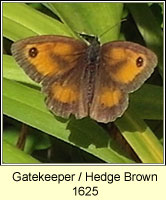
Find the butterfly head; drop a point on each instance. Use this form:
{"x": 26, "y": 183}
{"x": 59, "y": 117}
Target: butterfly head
{"x": 94, "y": 47}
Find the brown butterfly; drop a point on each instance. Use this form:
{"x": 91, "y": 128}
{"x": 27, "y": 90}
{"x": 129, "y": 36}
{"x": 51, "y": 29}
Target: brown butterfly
{"x": 85, "y": 80}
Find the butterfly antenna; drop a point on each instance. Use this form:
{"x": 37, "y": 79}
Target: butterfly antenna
{"x": 111, "y": 27}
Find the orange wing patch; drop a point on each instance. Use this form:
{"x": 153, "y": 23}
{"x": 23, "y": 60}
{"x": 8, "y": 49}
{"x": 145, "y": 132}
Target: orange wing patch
{"x": 128, "y": 69}
{"x": 109, "y": 104}
{"x": 62, "y": 49}
{"x": 47, "y": 59}
{"x": 110, "y": 98}
{"x": 64, "y": 94}
{"x": 117, "y": 53}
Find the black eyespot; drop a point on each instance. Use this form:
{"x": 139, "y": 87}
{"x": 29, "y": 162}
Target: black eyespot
{"x": 33, "y": 52}
{"x": 139, "y": 62}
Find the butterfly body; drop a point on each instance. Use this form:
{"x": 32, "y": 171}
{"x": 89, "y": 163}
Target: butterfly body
{"x": 85, "y": 80}
{"x": 92, "y": 59}
{"x": 93, "y": 52}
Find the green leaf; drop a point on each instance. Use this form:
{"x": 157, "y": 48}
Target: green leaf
{"x": 34, "y": 140}
{"x": 141, "y": 138}
{"x": 33, "y": 22}
{"x": 12, "y": 71}
{"x": 91, "y": 18}
{"x": 149, "y": 28}
{"x": 13, "y": 155}
{"x": 147, "y": 102}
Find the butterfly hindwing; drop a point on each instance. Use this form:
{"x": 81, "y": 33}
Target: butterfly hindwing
{"x": 109, "y": 101}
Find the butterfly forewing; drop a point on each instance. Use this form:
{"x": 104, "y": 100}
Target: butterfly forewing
{"x": 128, "y": 64}
{"x": 47, "y": 56}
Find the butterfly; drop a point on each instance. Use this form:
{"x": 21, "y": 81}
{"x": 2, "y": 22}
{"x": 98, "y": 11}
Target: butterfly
{"x": 85, "y": 79}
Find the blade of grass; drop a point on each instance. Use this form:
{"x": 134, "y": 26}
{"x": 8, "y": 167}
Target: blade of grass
{"x": 14, "y": 72}
{"x": 13, "y": 155}
{"x": 149, "y": 106}
{"x": 35, "y": 139}
{"x": 34, "y": 21}
{"x": 91, "y": 18}
{"x": 141, "y": 138}
{"x": 9, "y": 25}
